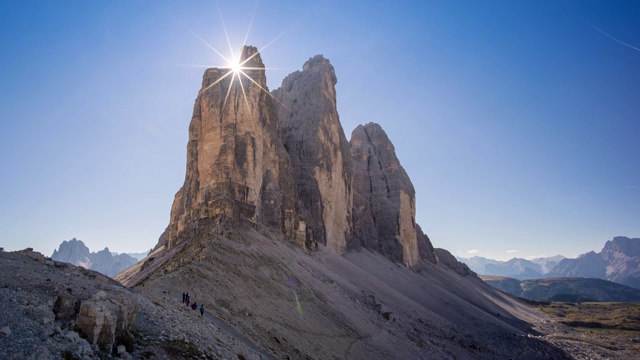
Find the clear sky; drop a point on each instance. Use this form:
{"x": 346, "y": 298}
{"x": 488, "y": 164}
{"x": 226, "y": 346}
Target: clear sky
{"x": 517, "y": 121}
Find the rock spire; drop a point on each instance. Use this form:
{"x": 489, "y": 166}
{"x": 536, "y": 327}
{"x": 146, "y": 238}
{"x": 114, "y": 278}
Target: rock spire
{"x": 283, "y": 160}
{"x": 237, "y": 167}
{"x": 384, "y": 197}
{"x": 320, "y": 157}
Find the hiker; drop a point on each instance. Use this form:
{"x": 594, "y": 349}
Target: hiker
{"x": 202, "y": 310}
{"x": 184, "y": 296}
{"x": 194, "y": 306}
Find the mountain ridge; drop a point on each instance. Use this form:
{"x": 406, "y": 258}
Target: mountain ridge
{"x": 75, "y": 252}
{"x": 618, "y": 261}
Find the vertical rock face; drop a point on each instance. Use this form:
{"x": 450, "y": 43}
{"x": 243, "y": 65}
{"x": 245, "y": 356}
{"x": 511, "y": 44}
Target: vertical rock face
{"x": 383, "y": 197}
{"x": 313, "y": 136}
{"x": 237, "y": 167}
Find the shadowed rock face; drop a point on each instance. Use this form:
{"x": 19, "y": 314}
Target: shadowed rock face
{"x": 237, "y": 167}
{"x": 313, "y": 136}
{"x": 383, "y": 197}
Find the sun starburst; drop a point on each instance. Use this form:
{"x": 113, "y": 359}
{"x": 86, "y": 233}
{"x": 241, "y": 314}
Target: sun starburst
{"x": 238, "y": 68}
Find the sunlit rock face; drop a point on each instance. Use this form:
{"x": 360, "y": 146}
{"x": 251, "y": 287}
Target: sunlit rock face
{"x": 383, "y": 197}
{"x": 319, "y": 151}
{"x": 237, "y": 167}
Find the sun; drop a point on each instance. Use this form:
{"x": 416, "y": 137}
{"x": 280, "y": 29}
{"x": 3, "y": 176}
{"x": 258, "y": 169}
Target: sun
{"x": 236, "y": 66}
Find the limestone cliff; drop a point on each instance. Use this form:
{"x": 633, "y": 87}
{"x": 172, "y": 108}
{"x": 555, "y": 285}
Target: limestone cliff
{"x": 383, "y": 197}
{"x": 237, "y": 167}
{"x": 320, "y": 157}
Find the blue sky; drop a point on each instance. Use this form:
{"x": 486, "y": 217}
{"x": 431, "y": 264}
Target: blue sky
{"x": 517, "y": 121}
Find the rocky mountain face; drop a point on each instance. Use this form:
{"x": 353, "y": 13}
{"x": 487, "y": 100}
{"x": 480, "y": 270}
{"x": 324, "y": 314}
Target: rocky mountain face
{"x": 384, "y": 197}
{"x": 619, "y": 261}
{"x": 75, "y": 252}
{"x": 322, "y": 168}
{"x": 283, "y": 160}
{"x": 237, "y": 166}
{"x": 565, "y": 289}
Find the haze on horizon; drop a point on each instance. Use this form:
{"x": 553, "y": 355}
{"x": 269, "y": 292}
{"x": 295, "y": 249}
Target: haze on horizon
{"x": 516, "y": 121}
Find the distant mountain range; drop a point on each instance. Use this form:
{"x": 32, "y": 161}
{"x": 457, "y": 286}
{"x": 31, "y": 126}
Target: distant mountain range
{"x": 619, "y": 262}
{"x": 565, "y": 289}
{"x": 517, "y": 268}
{"x": 75, "y": 252}
{"x": 138, "y": 256}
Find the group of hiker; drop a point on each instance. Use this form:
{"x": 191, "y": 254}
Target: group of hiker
{"x": 194, "y": 305}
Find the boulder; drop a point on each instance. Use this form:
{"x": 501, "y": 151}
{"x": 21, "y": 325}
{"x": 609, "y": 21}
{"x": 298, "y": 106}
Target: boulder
{"x": 105, "y": 315}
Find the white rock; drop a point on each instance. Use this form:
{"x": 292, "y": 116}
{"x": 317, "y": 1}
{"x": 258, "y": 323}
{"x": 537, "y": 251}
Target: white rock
{"x": 121, "y": 349}
{"x": 5, "y": 330}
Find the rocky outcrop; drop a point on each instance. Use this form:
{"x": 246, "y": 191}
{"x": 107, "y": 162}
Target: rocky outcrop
{"x": 449, "y": 261}
{"x": 321, "y": 161}
{"x": 619, "y": 261}
{"x": 425, "y": 248}
{"x": 237, "y": 167}
{"x": 75, "y": 252}
{"x": 103, "y": 316}
{"x": 45, "y": 304}
{"x": 383, "y": 197}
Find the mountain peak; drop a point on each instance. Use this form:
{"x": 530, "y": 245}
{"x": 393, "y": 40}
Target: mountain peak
{"x": 317, "y": 63}
{"x": 251, "y": 55}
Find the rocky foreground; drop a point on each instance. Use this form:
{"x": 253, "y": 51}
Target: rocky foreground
{"x": 54, "y": 310}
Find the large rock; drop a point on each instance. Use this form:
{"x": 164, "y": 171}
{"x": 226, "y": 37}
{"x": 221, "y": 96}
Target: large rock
{"x": 383, "y": 197}
{"x": 237, "y": 167}
{"x": 313, "y": 136}
{"x": 105, "y": 315}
